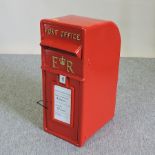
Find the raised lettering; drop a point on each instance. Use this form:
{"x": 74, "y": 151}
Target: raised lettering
{"x": 69, "y": 66}
{"x": 54, "y": 61}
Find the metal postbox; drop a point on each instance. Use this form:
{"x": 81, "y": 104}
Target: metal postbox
{"x": 80, "y": 60}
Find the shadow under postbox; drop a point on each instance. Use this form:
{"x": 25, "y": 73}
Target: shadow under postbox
{"x": 70, "y": 69}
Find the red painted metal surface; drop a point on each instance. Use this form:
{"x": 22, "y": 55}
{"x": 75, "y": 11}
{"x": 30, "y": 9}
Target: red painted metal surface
{"x": 86, "y": 51}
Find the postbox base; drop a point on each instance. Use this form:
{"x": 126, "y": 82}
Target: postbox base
{"x": 76, "y": 143}
{"x": 64, "y": 138}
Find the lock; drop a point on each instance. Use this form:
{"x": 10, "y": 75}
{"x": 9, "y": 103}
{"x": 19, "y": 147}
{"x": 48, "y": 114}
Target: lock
{"x": 80, "y": 61}
{"x": 62, "y": 79}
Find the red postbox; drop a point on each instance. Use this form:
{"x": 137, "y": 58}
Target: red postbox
{"x": 80, "y": 60}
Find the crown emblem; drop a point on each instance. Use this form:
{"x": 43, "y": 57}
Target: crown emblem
{"x": 62, "y": 61}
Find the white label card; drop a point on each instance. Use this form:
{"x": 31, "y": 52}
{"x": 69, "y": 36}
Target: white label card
{"x": 62, "y": 104}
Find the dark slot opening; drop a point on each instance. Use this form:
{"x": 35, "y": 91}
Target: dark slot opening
{"x": 60, "y": 51}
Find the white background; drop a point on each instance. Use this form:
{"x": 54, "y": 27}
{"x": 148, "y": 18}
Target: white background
{"x": 19, "y": 22}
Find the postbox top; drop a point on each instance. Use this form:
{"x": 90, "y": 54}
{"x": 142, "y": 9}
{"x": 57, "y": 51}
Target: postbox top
{"x": 78, "y": 20}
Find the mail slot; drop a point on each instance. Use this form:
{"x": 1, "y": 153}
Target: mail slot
{"x": 80, "y": 60}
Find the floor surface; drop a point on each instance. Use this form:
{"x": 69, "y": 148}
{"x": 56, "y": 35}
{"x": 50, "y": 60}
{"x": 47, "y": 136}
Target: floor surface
{"x": 131, "y": 132}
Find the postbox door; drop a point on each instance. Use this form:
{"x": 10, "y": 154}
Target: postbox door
{"x": 62, "y": 106}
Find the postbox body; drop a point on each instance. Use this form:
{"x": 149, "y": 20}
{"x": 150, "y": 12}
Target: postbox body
{"x": 80, "y": 60}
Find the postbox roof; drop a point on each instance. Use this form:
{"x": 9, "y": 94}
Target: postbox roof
{"x": 78, "y": 20}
